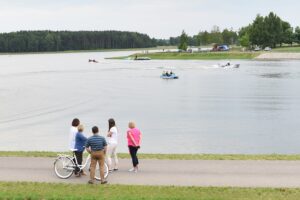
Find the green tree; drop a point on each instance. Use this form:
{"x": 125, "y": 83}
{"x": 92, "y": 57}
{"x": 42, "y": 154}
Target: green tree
{"x": 297, "y": 35}
{"x": 245, "y": 41}
{"x": 183, "y": 41}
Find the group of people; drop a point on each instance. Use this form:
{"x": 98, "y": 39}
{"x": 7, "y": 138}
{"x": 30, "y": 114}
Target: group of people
{"x": 103, "y": 149}
{"x": 167, "y": 73}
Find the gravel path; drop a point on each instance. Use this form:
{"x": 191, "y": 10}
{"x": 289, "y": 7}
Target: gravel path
{"x": 278, "y": 56}
{"x": 167, "y": 172}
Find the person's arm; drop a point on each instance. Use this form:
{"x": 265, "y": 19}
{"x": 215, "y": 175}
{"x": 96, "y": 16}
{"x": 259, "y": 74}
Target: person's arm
{"x": 140, "y": 139}
{"x": 131, "y": 138}
{"x": 109, "y": 134}
{"x": 87, "y": 146}
{"x": 105, "y": 146}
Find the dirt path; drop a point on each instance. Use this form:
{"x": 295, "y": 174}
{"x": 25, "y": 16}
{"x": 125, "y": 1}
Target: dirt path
{"x": 278, "y": 56}
{"x": 167, "y": 172}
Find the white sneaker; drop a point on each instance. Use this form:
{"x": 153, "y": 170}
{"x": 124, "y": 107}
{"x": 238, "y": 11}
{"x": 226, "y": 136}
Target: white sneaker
{"x": 135, "y": 170}
{"x": 131, "y": 170}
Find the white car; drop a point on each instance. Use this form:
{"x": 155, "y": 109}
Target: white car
{"x": 257, "y": 49}
{"x": 268, "y": 49}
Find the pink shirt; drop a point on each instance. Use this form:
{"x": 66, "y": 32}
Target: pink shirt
{"x": 136, "y": 134}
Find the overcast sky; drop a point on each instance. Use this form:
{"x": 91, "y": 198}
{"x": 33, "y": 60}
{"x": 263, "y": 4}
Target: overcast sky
{"x": 157, "y": 18}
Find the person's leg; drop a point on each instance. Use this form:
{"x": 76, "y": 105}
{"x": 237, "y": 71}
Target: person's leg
{"x": 108, "y": 156}
{"x": 135, "y": 159}
{"x": 131, "y": 151}
{"x": 101, "y": 166}
{"x": 115, "y": 157}
{"x": 93, "y": 167}
{"x": 79, "y": 161}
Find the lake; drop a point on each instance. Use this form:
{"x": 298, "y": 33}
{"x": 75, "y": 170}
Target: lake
{"x": 254, "y": 109}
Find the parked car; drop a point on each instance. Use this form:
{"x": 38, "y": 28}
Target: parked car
{"x": 257, "y": 49}
{"x": 267, "y": 49}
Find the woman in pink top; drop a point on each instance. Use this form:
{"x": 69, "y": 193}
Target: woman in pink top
{"x": 134, "y": 140}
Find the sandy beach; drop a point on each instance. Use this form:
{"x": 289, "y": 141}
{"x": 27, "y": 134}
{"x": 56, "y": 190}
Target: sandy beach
{"x": 278, "y": 56}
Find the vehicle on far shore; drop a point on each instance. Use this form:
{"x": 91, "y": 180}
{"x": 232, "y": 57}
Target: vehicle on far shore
{"x": 222, "y": 47}
{"x": 257, "y": 49}
{"x": 267, "y": 49}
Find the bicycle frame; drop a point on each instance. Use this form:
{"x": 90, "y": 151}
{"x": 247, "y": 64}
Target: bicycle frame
{"x": 82, "y": 166}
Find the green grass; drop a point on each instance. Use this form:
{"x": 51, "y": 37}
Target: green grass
{"x": 295, "y": 49}
{"x": 195, "y": 56}
{"x": 166, "y": 156}
{"x": 36, "y": 191}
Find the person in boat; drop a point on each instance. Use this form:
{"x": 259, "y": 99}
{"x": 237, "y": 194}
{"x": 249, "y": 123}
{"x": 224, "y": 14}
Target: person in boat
{"x": 171, "y": 73}
{"x": 228, "y": 64}
{"x": 168, "y": 74}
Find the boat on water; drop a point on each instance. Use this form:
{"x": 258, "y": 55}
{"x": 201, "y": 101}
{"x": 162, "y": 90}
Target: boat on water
{"x": 171, "y": 76}
{"x": 229, "y": 65}
{"x": 142, "y": 58}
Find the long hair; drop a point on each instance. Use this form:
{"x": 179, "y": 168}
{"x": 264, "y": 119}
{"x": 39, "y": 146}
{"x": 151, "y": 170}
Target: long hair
{"x": 75, "y": 122}
{"x": 111, "y": 123}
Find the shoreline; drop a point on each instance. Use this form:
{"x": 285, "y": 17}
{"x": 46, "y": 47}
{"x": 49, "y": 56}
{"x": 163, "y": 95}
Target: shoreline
{"x": 47, "y": 154}
{"x": 277, "y": 56}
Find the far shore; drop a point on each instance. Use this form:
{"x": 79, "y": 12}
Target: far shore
{"x": 166, "y": 156}
{"x": 217, "y": 56}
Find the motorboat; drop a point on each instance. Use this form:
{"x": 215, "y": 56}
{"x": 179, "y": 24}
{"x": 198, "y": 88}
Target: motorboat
{"x": 171, "y": 76}
{"x": 142, "y": 58}
{"x": 229, "y": 65}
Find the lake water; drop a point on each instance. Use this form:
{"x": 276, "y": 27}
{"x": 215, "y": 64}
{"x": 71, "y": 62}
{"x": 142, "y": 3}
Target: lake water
{"x": 253, "y": 109}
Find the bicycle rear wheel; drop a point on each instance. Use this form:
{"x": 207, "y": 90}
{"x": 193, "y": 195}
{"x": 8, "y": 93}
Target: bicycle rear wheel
{"x": 64, "y": 167}
{"x": 97, "y": 172}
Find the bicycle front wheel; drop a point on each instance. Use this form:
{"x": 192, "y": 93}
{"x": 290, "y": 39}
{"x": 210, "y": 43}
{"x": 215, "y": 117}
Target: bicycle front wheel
{"x": 64, "y": 167}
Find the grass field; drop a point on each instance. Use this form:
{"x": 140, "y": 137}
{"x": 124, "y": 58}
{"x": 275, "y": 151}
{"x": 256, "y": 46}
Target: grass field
{"x": 196, "y": 56}
{"x": 166, "y": 156}
{"x": 36, "y": 191}
{"x": 295, "y": 49}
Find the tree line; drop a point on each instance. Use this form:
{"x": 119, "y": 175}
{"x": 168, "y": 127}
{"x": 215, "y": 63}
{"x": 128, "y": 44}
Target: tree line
{"x": 269, "y": 31}
{"x": 41, "y": 41}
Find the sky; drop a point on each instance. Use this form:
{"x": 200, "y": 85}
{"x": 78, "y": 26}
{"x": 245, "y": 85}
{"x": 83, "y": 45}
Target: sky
{"x": 157, "y": 18}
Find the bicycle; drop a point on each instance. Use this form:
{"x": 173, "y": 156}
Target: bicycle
{"x": 64, "y": 166}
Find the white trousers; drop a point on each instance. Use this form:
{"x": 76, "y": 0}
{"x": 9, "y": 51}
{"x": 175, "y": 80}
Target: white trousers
{"x": 112, "y": 153}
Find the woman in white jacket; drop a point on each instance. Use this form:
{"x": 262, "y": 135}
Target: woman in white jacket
{"x": 112, "y": 140}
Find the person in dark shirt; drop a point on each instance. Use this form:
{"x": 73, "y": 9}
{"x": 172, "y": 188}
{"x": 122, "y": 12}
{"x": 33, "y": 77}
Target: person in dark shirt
{"x": 96, "y": 145}
{"x": 80, "y": 141}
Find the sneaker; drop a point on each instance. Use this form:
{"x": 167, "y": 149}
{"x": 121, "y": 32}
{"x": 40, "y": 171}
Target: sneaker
{"x": 116, "y": 169}
{"x": 131, "y": 170}
{"x": 104, "y": 182}
{"x": 90, "y": 182}
{"x": 83, "y": 173}
{"x": 135, "y": 170}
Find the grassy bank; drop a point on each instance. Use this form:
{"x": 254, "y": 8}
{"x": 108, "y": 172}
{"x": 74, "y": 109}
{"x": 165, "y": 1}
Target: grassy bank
{"x": 295, "y": 49}
{"x": 37, "y": 191}
{"x": 196, "y": 56}
{"x": 166, "y": 156}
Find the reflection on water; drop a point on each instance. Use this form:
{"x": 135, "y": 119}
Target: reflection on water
{"x": 253, "y": 109}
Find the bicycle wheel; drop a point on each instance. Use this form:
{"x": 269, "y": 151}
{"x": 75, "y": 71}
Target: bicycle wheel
{"x": 97, "y": 170}
{"x": 64, "y": 167}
